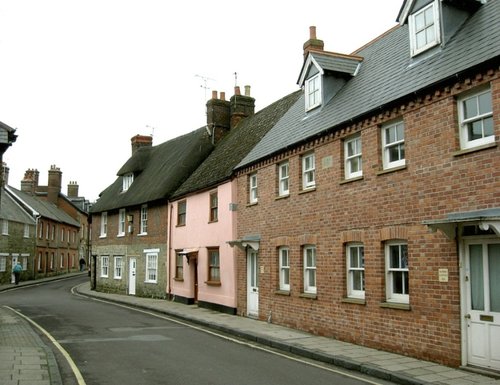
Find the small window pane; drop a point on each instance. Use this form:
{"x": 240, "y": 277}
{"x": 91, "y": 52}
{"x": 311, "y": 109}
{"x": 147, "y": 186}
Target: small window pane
{"x": 476, "y": 277}
{"x": 485, "y": 105}
{"x": 494, "y": 271}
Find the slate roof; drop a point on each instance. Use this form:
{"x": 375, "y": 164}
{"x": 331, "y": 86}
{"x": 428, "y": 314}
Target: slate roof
{"x": 158, "y": 171}
{"x": 219, "y": 165}
{"x": 44, "y": 208}
{"x": 11, "y": 211}
{"x": 388, "y": 73}
{"x": 343, "y": 64}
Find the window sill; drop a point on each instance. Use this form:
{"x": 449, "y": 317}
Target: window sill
{"x": 100, "y": 236}
{"x": 142, "y": 234}
{"x": 309, "y": 295}
{"x": 153, "y": 282}
{"x": 279, "y": 197}
{"x": 474, "y": 149}
{"x": 214, "y": 221}
{"x": 355, "y": 179}
{"x": 182, "y": 225}
{"x": 120, "y": 235}
{"x": 282, "y": 292}
{"x": 307, "y": 190}
{"x": 392, "y": 169}
{"x": 213, "y": 283}
{"x": 252, "y": 204}
{"x": 179, "y": 279}
{"x": 395, "y": 305}
{"x": 357, "y": 301}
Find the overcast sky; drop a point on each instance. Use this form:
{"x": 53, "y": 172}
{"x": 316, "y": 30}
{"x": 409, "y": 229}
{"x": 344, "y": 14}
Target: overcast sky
{"x": 79, "y": 78}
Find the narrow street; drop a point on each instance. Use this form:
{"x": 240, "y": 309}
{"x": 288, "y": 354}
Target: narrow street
{"x": 116, "y": 345}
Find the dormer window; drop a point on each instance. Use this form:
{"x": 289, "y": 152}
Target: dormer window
{"x": 424, "y": 28}
{"x": 127, "y": 181}
{"x": 313, "y": 92}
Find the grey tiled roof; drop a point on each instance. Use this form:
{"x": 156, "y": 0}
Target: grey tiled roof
{"x": 45, "y": 208}
{"x": 160, "y": 170}
{"x": 235, "y": 145}
{"x": 11, "y": 211}
{"x": 388, "y": 73}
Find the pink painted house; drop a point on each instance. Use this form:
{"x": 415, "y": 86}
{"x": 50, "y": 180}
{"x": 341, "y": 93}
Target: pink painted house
{"x": 202, "y": 264}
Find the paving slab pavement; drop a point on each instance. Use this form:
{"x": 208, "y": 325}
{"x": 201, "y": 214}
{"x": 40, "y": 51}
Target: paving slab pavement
{"x": 24, "y": 358}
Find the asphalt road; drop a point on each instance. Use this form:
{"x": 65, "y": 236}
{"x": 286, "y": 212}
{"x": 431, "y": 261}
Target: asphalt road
{"x": 117, "y": 345}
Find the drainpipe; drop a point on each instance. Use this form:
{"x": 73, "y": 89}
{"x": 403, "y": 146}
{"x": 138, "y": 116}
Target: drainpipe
{"x": 37, "y": 218}
{"x": 169, "y": 246}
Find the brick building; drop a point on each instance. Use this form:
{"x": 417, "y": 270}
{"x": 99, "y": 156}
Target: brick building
{"x": 59, "y": 242}
{"x": 370, "y": 212}
{"x": 17, "y": 239}
{"x": 130, "y": 237}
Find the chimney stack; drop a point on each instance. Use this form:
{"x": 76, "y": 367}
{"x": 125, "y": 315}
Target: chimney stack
{"x": 29, "y": 184}
{"x": 313, "y": 44}
{"x": 139, "y": 141}
{"x": 218, "y": 115}
{"x": 73, "y": 189}
{"x": 242, "y": 106}
{"x": 54, "y": 185}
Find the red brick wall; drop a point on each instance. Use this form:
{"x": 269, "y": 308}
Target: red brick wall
{"x": 437, "y": 180}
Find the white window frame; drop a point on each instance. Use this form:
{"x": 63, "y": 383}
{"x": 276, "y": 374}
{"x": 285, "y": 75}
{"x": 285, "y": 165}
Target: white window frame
{"x": 121, "y": 223}
{"x": 355, "y": 262}
{"x": 26, "y": 233}
{"x": 118, "y": 267}
{"x": 430, "y": 26}
{"x": 393, "y": 137}
{"x": 284, "y": 265}
{"x": 3, "y": 263}
{"x": 104, "y": 225}
{"x": 390, "y": 271}
{"x": 313, "y": 92}
{"x": 104, "y": 266}
{"x": 310, "y": 269}
{"x": 151, "y": 268}
{"x": 353, "y": 143}
{"x": 144, "y": 220}
{"x": 24, "y": 262}
{"x": 284, "y": 179}
{"x": 253, "y": 188}
{"x": 61, "y": 260}
{"x": 464, "y": 123}
{"x": 308, "y": 171}
{"x": 127, "y": 181}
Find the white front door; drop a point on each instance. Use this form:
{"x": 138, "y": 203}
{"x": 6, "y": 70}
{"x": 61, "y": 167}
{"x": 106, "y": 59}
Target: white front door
{"x": 14, "y": 263}
{"x": 252, "y": 283}
{"x": 132, "y": 272}
{"x": 482, "y": 279}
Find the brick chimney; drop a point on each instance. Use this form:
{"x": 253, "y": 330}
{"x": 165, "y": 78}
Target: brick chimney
{"x": 72, "y": 189}
{"x": 54, "y": 185}
{"x": 242, "y": 106}
{"x": 218, "y": 115}
{"x": 139, "y": 141}
{"x": 29, "y": 184}
{"x": 5, "y": 174}
{"x": 313, "y": 44}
